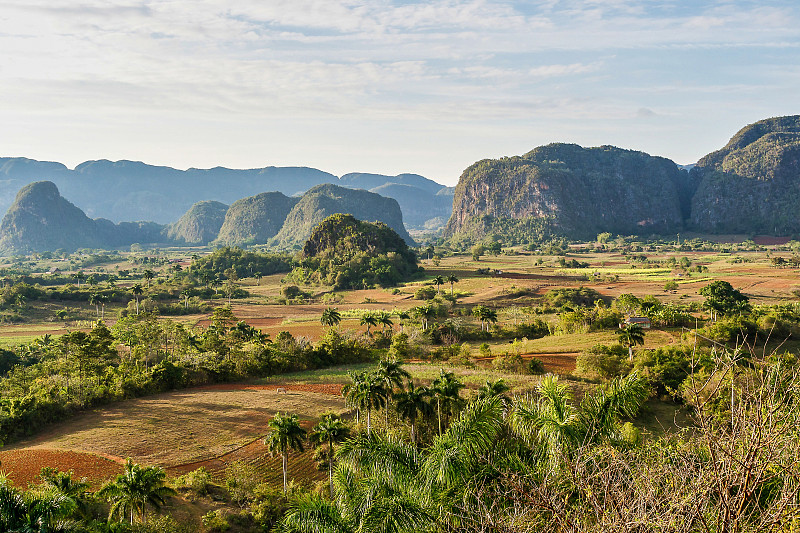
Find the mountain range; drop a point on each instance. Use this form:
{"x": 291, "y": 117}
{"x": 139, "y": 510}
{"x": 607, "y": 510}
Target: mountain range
{"x": 132, "y": 190}
{"x": 751, "y": 185}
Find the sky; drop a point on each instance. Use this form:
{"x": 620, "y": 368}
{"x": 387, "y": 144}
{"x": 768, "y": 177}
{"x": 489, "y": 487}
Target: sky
{"x": 385, "y": 86}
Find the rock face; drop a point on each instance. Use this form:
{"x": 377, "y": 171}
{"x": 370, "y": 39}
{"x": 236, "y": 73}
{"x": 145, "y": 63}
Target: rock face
{"x": 321, "y": 201}
{"x": 752, "y": 185}
{"x": 256, "y": 219}
{"x": 40, "y": 219}
{"x": 572, "y": 190}
{"x": 199, "y": 225}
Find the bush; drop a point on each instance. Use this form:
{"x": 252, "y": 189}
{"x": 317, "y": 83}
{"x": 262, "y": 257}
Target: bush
{"x": 601, "y": 361}
{"x": 667, "y": 367}
{"x": 197, "y": 481}
{"x": 426, "y": 292}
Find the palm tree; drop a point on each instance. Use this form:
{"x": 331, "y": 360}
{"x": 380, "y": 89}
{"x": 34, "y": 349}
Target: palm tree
{"x": 102, "y": 300}
{"x": 329, "y": 430}
{"x": 94, "y": 299}
{"x": 148, "y": 275}
{"x": 391, "y": 374}
{"x": 412, "y": 403}
{"x": 384, "y": 319}
{"x": 330, "y": 317}
{"x": 136, "y": 488}
{"x": 425, "y": 312}
{"x": 137, "y": 291}
{"x": 402, "y": 316}
{"x": 368, "y": 319}
{"x": 79, "y": 276}
{"x": 438, "y": 281}
{"x": 488, "y": 315}
{"x": 63, "y": 483}
{"x": 285, "y": 434}
{"x": 494, "y": 388}
{"x": 452, "y": 279}
{"x": 40, "y": 511}
{"x": 352, "y": 392}
{"x": 446, "y": 388}
{"x": 630, "y": 336}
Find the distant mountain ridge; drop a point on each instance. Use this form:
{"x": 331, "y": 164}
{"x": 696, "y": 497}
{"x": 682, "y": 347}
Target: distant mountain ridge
{"x": 40, "y": 219}
{"x": 132, "y": 190}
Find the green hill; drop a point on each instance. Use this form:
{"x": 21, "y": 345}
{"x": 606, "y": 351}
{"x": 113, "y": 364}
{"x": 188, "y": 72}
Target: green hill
{"x": 200, "y": 224}
{"x": 256, "y": 219}
{"x": 346, "y": 253}
{"x": 567, "y": 189}
{"x": 40, "y": 219}
{"x": 752, "y": 185}
{"x": 321, "y": 201}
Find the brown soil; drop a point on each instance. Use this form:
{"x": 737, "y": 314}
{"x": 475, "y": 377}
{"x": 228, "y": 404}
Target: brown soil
{"x": 23, "y": 466}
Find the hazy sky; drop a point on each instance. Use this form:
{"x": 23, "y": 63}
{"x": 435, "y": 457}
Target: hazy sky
{"x": 386, "y": 86}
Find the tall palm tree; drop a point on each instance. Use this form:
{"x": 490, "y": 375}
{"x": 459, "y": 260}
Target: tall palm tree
{"x": 368, "y": 319}
{"x": 94, "y": 299}
{"x": 148, "y": 275}
{"x": 330, "y": 317}
{"x": 384, "y": 319}
{"x": 136, "y": 488}
{"x": 137, "y": 291}
{"x": 402, "y": 316}
{"x": 452, "y": 279}
{"x": 412, "y": 403}
{"x": 488, "y": 316}
{"x": 329, "y": 430}
{"x": 284, "y": 434}
{"x": 446, "y": 389}
{"x": 630, "y": 336}
{"x": 391, "y": 374}
{"x": 438, "y": 281}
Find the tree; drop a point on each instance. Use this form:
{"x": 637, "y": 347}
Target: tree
{"x": 438, "y": 281}
{"x": 477, "y": 251}
{"x": 391, "y": 374}
{"x": 79, "y": 276}
{"x": 148, "y": 275}
{"x": 384, "y": 319}
{"x": 134, "y": 489}
{"x": 412, "y": 403}
{"x": 493, "y": 388}
{"x": 137, "y": 291}
{"x": 330, "y": 317}
{"x": 41, "y": 511}
{"x": 446, "y": 389}
{"x": 723, "y": 299}
{"x": 329, "y": 430}
{"x": 368, "y": 319}
{"x": 284, "y": 434}
{"x": 630, "y": 336}
{"x": 452, "y": 279}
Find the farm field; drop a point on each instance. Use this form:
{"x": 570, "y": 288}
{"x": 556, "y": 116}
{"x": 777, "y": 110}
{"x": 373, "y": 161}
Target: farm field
{"x": 180, "y": 431}
{"x": 216, "y": 425}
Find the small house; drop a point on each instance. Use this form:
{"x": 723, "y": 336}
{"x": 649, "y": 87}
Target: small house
{"x": 642, "y": 321}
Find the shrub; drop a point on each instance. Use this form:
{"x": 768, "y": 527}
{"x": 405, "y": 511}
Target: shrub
{"x": 426, "y": 292}
{"x": 601, "y": 361}
{"x": 197, "y": 481}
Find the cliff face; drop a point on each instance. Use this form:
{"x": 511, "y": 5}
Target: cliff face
{"x": 200, "y": 224}
{"x": 321, "y": 201}
{"x": 256, "y": 219}
{"x": 577, "y": 191}
{"x": 752, "y": 185}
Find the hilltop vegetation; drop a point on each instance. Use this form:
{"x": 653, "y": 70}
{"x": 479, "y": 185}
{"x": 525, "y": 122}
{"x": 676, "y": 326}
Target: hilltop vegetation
{"x": 199, "y": 225}
{"x": 751, "y": 185}
{"x": 256, "y": 219}
{"x": 347, "y": 253}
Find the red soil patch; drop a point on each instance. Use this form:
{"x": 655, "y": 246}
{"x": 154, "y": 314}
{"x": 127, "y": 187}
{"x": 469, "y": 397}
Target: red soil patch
{"x": 561, "y": 363}
{"x": 23, "y": 466}
{"x": 334, "y": 389}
